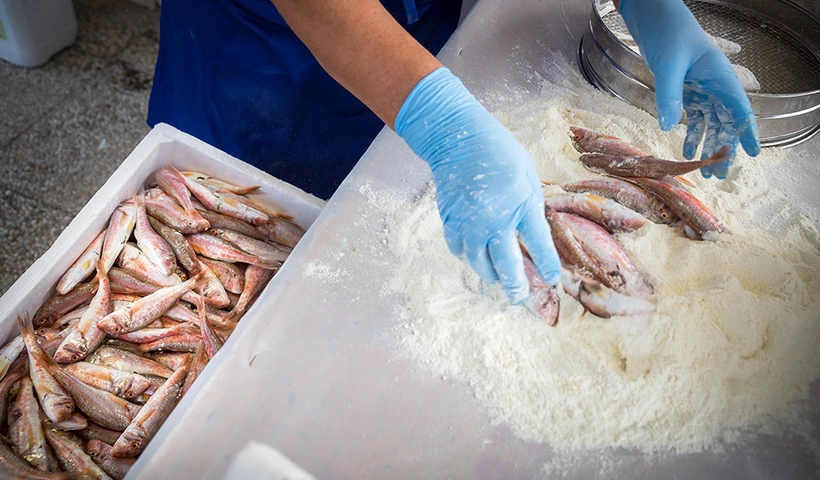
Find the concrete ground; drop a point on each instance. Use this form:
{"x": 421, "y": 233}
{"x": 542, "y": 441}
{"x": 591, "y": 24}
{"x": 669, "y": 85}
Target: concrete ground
{"x": 66, "y": 126}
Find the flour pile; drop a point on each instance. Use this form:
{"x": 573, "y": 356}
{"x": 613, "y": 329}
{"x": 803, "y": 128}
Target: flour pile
{"x": 734, "y": 340}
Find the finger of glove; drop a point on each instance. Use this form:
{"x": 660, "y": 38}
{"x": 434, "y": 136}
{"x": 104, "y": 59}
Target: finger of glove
{"x": 509, "y": 265}
{"x": 734, "y": 99}
{"x": 710, "y": 142}
{"x": 536, "y": 237}
{"x": 727, "y": 136}
{"x": 478, "y": 257}
{"x": 696, "y": 127}
{"x": 669, "y": 77}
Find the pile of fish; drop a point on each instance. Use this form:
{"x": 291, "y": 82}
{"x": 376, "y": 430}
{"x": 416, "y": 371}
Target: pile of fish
{"x": 99, "y": 368}
{"x": 637, "y": 187}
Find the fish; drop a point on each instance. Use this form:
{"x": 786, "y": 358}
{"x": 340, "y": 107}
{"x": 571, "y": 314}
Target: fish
{"x": 54, "y": 399}
{"x": 574, "y": 256}
{"x": 82, "y": 267}
{"x": 609, "y": 214}
{"x": 211, "y": 288}
{"x": 72, "y": 457}
{"x": 271, "y": 254}
{"x": 281, "y": 231}
{"x": 150, "y": 242}
{"x": 218, "y": 220}
{"x": 587, "y": 141}
{"x": 75, "y": 422}
{"x": 120, "y": 226}
{"x": 182, "y": 250}
{"x": 160, "y": 205}
{"x": 686, "y": 206}
{"x": 147, "y": 309}
{"x": 72, "y": 316}
{"x": 217, "y": 185}
{"x": 602, "y": 301}
{"x": 9, "y": 353}
{"x": 86, "y": 335}
{"x": 120, "y": 383}
{"x": 148, "y": 335}
{"x": 175, "y": 343}
{"x": 100, "y": 406}
{"x": 137, "y": 263}
{"x": 603, "y": 248}
{"x": 543, "y": 300}
{"x": 58, "y": 305}
{"x": 213, "y": 342}
{"x": 251, "y": 204}
{"x": 14, "y": 376}
{"x": 218, "y": 202}
{"x": 128, "y": 362}
{"x": 255, "y": 280}
{"x": 647, "y": 166}
{"x": 628, "y": 195}
{"x": 176, "y": 188}
{"x": 27, "y": 433}
{"x": 198, "y": 363}
{"x": 116, "y": 467}
{"x": 215, "y": 248}
{"x": 230, "y": 276}
{"x": 13, "y": 467}
{"x": 143, "y": 427}
{"x": 96, "y": 432}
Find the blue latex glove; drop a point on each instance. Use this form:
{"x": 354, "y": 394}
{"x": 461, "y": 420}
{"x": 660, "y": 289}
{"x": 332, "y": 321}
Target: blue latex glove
{"x": 692, "y": 73}
{"x": 486, "y": 184}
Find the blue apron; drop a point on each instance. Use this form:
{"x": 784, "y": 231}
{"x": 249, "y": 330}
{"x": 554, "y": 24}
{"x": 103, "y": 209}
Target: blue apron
{"x": 232, "y": 73}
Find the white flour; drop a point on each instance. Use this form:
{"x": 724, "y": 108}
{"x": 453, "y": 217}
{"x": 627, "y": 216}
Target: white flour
{"x": 734, "y": 340}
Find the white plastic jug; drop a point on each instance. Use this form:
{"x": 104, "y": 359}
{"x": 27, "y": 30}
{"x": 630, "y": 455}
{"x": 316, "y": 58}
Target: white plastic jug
{"x": 31, "y": 31}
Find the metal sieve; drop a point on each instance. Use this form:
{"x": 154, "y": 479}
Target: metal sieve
{"x": 779, "y": 43}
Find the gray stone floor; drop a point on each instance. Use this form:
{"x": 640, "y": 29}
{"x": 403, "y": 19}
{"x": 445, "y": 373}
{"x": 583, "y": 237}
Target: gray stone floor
{"x": 66, "y": 126}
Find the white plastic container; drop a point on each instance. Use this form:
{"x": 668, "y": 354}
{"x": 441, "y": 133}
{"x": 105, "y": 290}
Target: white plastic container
{"x": 31, "y": 31}
{"x": 163, "y": 145}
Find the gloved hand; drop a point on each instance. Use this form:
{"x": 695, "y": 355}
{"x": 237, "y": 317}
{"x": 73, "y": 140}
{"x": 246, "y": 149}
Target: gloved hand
{"x": 486, "y": 184}
{"x": 691, "y": 72}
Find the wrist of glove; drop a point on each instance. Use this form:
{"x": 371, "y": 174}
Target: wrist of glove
{"x": 486, "y": 184}
{"x": 692, "y": 75}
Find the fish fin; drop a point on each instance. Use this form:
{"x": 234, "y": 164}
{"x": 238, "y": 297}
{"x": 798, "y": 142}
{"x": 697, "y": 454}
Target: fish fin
{"x": 685, "y": 181}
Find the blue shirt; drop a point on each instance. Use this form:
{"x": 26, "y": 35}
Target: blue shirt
{"x": 233, "y": 74}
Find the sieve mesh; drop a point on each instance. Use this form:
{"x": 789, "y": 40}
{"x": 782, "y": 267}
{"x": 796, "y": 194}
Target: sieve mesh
{"x": 781, "y": 63}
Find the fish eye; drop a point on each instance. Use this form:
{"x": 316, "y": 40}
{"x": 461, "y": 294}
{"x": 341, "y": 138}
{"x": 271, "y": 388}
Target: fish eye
{"x": 135, "y": 445}
{"x": 129, "y": 395}
{"x": 75, "y": 357}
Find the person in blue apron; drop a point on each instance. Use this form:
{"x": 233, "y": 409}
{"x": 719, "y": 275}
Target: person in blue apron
{"x": 299, "y": 88}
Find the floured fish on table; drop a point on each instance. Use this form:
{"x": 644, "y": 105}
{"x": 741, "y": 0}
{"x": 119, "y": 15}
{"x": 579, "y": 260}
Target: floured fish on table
{"x": 120, "y": 383}
{"x": 692, "y": 212}
{"x": 58, "y": 305}
{"x": 218, "y": 249}
{"x": 646, "y": 166}
{"x": 574, "y": 256}
{"x": 219, "y": 203}
{"x": 602, "y": 247}
{"x": 183, "y": 252}
{"x": 162, "y": 206}
{"x": 602, "y": 301}
{"x": 609, "y": 214}
{"x": 542, "y": 301}
{"x": 176, "y": 187}
{"x": 86, "y": 336}
{"x": 627, "y": 194}
{"x": 82, "y": 267}
{"x": 150, "y": 242}
{"x": 145, "y": 425}
{"x": 587, "y": 141}
{"x": 128, "y": 362}
{"x": 229, "y": 274}
{"x": 103, "y": 456}
{"x": 27, "y": 433}
{"x": 72, "y": 457}
{"x": 147, "y": 309}
{"x": 120, "y": 226}
{"x": 56, "y": 403}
